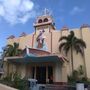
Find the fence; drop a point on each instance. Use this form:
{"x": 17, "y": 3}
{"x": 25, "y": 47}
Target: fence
{"x": 59, "y": 87}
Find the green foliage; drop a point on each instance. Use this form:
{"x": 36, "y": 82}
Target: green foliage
{"x": 14, "y": 80}
{"x": 13, "y": 50}
{"x": 74, "y": 77}
{"x": 77, "y": 75}
{"x": 71, "y": 42}
{"x": 80, "y": 70}
{"x": 7, "y": 80}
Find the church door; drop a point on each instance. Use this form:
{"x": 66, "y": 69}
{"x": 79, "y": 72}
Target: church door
{"x": 41, "y": 74}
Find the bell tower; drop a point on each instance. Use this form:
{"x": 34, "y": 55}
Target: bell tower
{"x": 44, "y": 22}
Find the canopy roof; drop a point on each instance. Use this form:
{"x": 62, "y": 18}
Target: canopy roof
{"x": 36, "y": 55}
{"x": 29, "y": 59}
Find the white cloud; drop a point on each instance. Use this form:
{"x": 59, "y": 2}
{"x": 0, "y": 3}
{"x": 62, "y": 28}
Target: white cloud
{"x": 2, "y": 11}
{"x": 17, "y": 11}
{"x": 76, "y": 10}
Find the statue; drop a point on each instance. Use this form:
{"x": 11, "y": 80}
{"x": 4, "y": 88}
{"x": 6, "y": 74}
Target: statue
{"x": 40, "y": 39}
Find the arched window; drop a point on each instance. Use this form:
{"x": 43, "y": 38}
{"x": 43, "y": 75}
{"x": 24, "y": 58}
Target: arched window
{"x": 40, "y": 21}
{"x": 45, "y": 20}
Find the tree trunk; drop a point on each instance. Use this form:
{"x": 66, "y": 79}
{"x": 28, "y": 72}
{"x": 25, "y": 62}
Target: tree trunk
{"x": 72, "y": 59}
{"x": 84, "y": 56}
{"x": 84, "y": 64}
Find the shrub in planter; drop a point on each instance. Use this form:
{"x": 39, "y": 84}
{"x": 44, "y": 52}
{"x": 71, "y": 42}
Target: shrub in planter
{"x": 78, "y": 75}
{"x": 14, "y": 80}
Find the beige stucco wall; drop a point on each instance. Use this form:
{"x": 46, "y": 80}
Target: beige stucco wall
{"x": 55, "y": 41}
{"x": 86, "y": 37}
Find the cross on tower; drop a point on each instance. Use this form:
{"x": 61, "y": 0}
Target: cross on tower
{"x": 47, "y": 12}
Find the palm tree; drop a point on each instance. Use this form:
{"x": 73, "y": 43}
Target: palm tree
{"x": 13, "y": 50}
{"x": 1, "y": 63}
{"x": 71, "y": 43}
{"x": 9, "y": 50}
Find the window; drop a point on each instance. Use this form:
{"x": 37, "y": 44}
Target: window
{"x": 45, "y": 20}
{"x": 40, "y": 21}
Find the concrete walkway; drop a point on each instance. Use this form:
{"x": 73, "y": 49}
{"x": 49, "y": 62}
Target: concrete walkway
{"x": 4, "y": 87}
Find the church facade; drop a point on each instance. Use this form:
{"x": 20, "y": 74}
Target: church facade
{"x": 41, "y": 58}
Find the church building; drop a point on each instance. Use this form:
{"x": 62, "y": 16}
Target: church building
{"x": 41, "y": 58}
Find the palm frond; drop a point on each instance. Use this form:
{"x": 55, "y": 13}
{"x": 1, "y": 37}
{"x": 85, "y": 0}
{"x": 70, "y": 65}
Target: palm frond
{"x": 12, "y": 50}
{"x": 16, "y": 45}
{"x": 63, "y": 38}
{"x": 9, "y": 46}
{"x": 72, "y": 33}
{"x": 61, "y": 46}
{"x": 79, "y": 49}
{"x": 67, "y": 48}
{"x": 81, "y": 43}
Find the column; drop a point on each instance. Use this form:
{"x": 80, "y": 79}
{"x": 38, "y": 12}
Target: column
{"x": 58, "y": 72}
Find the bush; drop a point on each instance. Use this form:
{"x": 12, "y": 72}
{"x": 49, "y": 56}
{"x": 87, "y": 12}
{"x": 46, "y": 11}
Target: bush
{"x": 14, "y": 80}
{"x": 78, "y": 76}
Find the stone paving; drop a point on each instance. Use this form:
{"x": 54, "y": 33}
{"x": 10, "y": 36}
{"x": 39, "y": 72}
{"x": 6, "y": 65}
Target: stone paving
{"x": 4, "y": 87}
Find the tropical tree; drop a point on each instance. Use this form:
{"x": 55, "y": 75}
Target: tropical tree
{"x": 12, "y": 50}
{"x": 9, "y": 50}
{"x": 70, "y": 43}
{"x": 1, "y": 63}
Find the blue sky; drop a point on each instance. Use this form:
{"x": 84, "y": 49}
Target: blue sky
{"x": 17, "y": 16}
